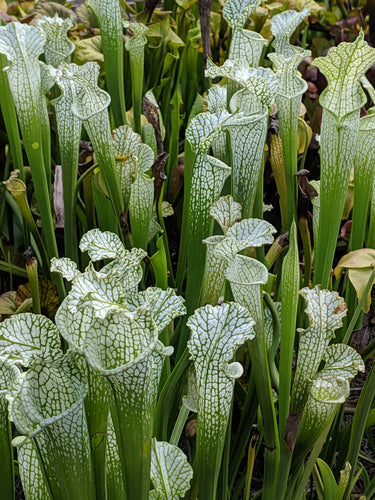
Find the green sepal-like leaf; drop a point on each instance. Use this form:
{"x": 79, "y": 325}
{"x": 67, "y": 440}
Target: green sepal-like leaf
{"x": 170, "y": 471}
{"x": 49, "y": 407}
{"x": 216, "y": 333}
{"x": 343, "y": 67}
{"x": 283, "y": 26}
{"x": 58, "y": 48}
{"x": 290, "y": 283}
{"x": 24, "y": 335}
{"x": 32, "y": 478}
{"x": 325, "y": 310}
{"x": 327, "y": 479}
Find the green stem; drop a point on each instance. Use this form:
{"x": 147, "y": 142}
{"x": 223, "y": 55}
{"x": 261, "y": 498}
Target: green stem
{"x": 181, "y": 266}
{"x": 18, "y": 190}
{"x": 250, "y": 465}
{"x": 275, "y": 341}
{"x": 289, "y": 303}
{"x": 359, "y": 423}
{"x": 69, "y": 132}
{"x": 32, "y": 274}
{"x": 179, "y": 425}
{"x": 6, "y": 453}
{"x": 167, "y": 396}
{"x": 247, "y": 419}
{"x": 12, "y": 269}
{"x": 301, "y": 476}
{"x": 289, "y": 138}
{"x": 135, "y": 46}
{"x": 10, "y": 118}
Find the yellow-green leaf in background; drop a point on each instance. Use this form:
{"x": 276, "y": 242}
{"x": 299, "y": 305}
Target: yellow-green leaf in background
{"x": 89, "y": 49}
{"x": 49, "y": 299}
{"x": 360, "y": 264}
